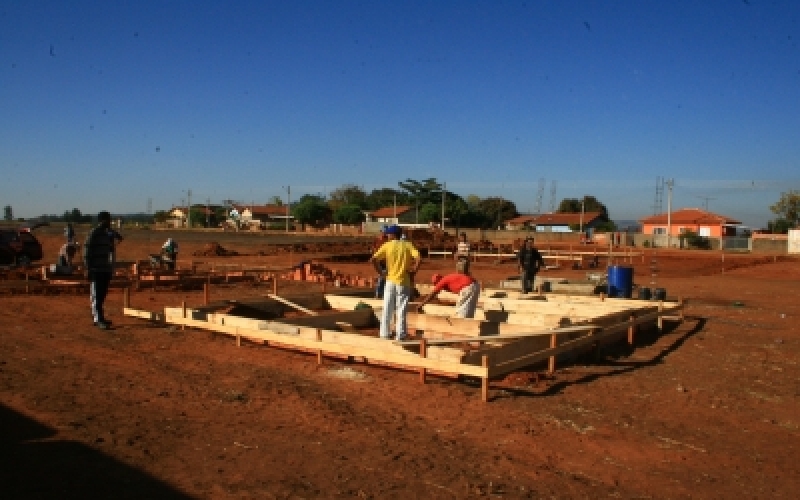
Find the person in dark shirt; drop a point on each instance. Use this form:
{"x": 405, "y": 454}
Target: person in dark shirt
{"x": 98, "y": 255}
{"x": 69, "y": 233}
{"x": 530, "y": 262}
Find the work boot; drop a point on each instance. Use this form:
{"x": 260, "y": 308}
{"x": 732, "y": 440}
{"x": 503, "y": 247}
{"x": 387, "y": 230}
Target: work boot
{"x": 102, "y": 325}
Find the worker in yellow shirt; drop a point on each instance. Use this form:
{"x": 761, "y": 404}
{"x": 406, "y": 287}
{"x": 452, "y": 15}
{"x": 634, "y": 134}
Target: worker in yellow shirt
{"x": 402, "y": 262}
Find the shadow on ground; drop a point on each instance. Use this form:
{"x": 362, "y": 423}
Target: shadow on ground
{"x": 34, "y": 464}
{"x": 614, "y": 357}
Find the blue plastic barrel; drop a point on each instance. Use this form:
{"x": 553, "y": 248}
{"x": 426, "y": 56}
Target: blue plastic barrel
{"x": 620, "y": 282}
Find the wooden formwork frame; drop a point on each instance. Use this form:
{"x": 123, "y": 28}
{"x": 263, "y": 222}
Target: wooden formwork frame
{"x": 484, "y": 365}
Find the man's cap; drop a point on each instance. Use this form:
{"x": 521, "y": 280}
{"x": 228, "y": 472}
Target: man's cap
{"x": 394, "y": 229}
{"x": 435, "y": 278}
{"x": 104, "y": 216}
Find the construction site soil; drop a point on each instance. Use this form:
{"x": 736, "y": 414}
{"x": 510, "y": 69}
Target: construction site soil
{"x": 708, "y": 409}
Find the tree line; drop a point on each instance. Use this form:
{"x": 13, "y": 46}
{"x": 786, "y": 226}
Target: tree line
{"x": 347, "y": 204}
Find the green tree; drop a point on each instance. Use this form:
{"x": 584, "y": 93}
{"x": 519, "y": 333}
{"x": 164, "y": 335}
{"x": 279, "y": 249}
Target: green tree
{"x": 788, "y": 206}
{"x": 161, "y": 216}
{"x": 198, "y": 216}
{"x": 311, "y": 209}
{"x": 385, "y": 197}
{"x": 473, "y": 201}
{"x": 422, "y": 192}
{"x": 347, "y": 194}
{"x": 73, "y": 215}
{"x": 779, "y": 226}
{"x": 430, "y": 212}
{"x": 348, "y": 214}
{"x": 497, "y": 210}
{"x": 590, "y": 204}
{"x": 8, "y": 213}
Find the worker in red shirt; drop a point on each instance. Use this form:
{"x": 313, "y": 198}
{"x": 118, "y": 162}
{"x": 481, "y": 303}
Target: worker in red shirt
{"x": 463, "y": 284}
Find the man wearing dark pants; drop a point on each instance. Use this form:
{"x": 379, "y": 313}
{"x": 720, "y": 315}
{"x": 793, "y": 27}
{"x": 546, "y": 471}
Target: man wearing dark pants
{"x": 530, "y": 262}
{"x": 98, "y": 261}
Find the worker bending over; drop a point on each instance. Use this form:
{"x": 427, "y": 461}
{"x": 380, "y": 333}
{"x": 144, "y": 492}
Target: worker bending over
{"x": 170, "y": 253}
{"x": 461, "y": 283}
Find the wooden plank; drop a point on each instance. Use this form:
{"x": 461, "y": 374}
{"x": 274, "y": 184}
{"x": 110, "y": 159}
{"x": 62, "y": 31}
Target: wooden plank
{"x": 280, "y": 327}
{"x": 138, "y": 313}
{"x": 346, "y": 327}
{"x": 358, "y": 318}
{"x": 292, "y": 304}
{"x": 536, "y": 357}
{"x": 539, "y": 356}
{"x": 347, "y": 303}
{"x": 376, "y": 351}
{"x": 511, "y": 336}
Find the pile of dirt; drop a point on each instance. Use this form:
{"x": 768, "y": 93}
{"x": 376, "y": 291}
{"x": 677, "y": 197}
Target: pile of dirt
{"x": 214, "y": 249}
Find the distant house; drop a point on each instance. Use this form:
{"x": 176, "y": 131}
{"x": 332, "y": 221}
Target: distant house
{"x": 392, "y": 215}
{"x": 177, "y": 215}
{"x": 699, "y": 221}
{"x": 261, "y": 215}
{"x": 555, "y": 222}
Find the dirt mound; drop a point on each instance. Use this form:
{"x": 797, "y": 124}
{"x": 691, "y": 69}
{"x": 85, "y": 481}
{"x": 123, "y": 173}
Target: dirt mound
{"x": 214, "y": 249}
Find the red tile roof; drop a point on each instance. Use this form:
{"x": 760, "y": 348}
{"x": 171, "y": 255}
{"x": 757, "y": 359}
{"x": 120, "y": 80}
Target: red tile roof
{"x": 390, "y": 211}
{"x": 554, "y": 219}
{"x": 690, "y": 216}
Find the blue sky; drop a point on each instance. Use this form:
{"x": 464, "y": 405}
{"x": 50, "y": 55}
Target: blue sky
{"x": 107, "y": 104}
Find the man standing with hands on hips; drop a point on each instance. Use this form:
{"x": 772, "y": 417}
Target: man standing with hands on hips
{"x": 402, "y": 262}
{"x": 98, "y": 261}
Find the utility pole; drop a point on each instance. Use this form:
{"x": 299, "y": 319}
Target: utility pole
{"x": 583, "y": 208}
{"x": 444, "y": 195}
{"x": 288, "y": 204}
{"x": 208, "y": 217}
{"x": 188, "y": 208}
{"x": 669, "y": 183}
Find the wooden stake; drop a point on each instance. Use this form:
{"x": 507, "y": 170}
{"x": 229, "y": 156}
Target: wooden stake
{"x": 183, "y": 306}
{"x": 319, "y": 351}
{"x": 206, "y": 291}
{"x": 631, "y": 329}
{"x": 660, "y": 320}
{"x": 238, "y": 338}
{"x": 423, "y": 353}
{"x": 485, "y": 380}
{"x": 275, "y": 285}
{"x": 551, "y": 362}
{"x": 126, "y": 297}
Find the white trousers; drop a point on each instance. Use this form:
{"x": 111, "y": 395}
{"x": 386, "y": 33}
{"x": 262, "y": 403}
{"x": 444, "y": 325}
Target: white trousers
{"x": 395, "y": 303}
{"x": 468, "y": 300}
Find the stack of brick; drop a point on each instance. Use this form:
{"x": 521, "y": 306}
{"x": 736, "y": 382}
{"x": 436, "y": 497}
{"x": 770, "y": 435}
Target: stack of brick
{"x": 318, "y": 273}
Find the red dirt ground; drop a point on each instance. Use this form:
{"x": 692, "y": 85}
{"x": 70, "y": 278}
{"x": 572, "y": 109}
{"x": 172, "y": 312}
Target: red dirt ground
{"x": 709, "y": 409}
